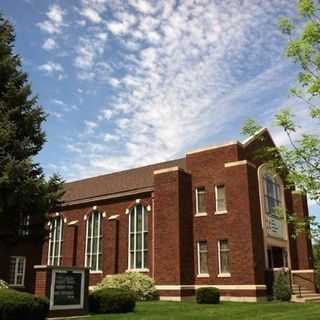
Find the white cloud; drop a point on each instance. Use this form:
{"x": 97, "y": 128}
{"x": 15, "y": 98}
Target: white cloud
{"x": 51, "y": 67}
{"x": 58, "y": 102}
{"x": 142, "y": 6}
{"x": 56, "y": 114}
{"x": 88, "y": 57}
{"x": 49, "y": 44}
{"x": 183, "y": 72}
{"x": 90, "y": 126}
{"x": 107, "y": 113}
{"x": 110, "y": 137}
{"x": 54, "y": 23}
{"x": 91, "y": 15}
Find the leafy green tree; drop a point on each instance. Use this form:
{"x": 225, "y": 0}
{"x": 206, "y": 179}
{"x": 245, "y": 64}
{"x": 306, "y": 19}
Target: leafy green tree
{"x": 300, "y": 161}
{"x": 24, "y": 190}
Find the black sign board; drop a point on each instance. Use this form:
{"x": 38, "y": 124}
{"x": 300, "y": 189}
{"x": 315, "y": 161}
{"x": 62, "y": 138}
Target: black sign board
{"x": 67, "y": 288}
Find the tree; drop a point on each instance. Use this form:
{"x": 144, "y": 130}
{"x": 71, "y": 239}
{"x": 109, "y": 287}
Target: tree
{"x": 24, "y": 190}
{"x": 301, "y": 159}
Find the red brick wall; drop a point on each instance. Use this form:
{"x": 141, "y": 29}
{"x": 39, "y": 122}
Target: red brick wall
{"x": 167, "y": 227}
{"x": 208, "y": 169}
{"x": 304, "y": 247}
{"x": 256, "y": 225}
{"x": 112, "y": 258}
{"x": 32, "y": 251}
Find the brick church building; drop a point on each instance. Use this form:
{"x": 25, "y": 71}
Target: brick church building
{"x": 203, "y": 220}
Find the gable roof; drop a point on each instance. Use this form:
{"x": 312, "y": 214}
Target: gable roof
{"x": 115, "y": 183}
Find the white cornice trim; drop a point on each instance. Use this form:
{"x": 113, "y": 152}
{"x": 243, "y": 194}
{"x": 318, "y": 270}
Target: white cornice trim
{"x": 303, "y": 271}
{"x": 239, "y": 163}
{"x": 254, "y": 136}
{"x": 171, "y": 169}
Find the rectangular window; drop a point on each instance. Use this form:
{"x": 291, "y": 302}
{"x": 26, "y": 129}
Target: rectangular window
{"x": 93, "y": 258}
{"x": 201, "y": 200}
{"x": 220, "y": 199}
{"x": 272, "y": 195}
{"x": 17, "y": 270}
{"x": 55, "y": 241}
{"x": 24, "y": 225}
{"x": 224, "y": 257}
{"x": 202, "y": 247}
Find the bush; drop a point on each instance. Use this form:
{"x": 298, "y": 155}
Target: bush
{"x": 281, "y": 288}
{"x": 317, "y": 277}
{"x": 3, "y": 284}
{"x": 208, "y": 295}
{"x": 142, "y": 285}
{"x": 111, "y": 300}
{"x": 15, "y": 305}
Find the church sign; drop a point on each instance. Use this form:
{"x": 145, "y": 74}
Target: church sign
{"x": 67, "y": 289}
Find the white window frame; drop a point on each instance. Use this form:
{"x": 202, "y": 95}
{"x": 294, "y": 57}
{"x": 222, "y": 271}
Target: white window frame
{"x": 223, "y": 274}
{"x": 144, "y": 233}
{"x": 216, "y": 199}
{"x": 277, "y": 197}
{"x": 24, "y": 227}
{"x": 199, "y": 214}
{"x": 55, "y": 240}
{"x": 16, "y": 271}
{"x": 202, "y": 275}
{"x": 89, "y": 251}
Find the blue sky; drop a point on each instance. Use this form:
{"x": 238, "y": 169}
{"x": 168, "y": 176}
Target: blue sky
{"x": 132, "y": 82}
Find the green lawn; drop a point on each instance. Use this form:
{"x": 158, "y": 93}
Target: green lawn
{"x": 224, "y": 311}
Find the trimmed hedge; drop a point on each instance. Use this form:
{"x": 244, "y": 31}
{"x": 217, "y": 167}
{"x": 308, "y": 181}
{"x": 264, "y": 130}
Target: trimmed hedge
{"x": 15, "y": 305}
{"x": 112, "y": 300}
{"x": 208, "y": 295}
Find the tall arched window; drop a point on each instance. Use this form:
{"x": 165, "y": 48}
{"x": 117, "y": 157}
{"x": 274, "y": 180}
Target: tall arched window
{"x": 55, "y": 241}
{"x": 138, "y": 238}
{"x": 272, "y": 194}
{"x": 93, "y": 258}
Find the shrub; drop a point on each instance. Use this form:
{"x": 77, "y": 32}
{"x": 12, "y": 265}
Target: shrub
{"x": 142, "y": 285}
{"x": 3, "y": 284}
{"x": 111, "y": 300}
{"x": 281, "y": 288}
{"x": 317, "y": 277}
{"x": 15, "y": 305}
{"x": 208, "y": 295}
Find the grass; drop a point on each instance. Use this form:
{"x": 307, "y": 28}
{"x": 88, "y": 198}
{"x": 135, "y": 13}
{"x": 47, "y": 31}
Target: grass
{"x": 224, "y": 311}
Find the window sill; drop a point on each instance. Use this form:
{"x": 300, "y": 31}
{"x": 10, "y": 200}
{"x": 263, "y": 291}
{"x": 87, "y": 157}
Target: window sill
{"x": 203, "y": 275}
{"x": 95, "y": 272}
{"x": 138, "y": 270}
{"x": 221, "y": 212}
{"x": 224, "y": 275}
{"x": 201, "y": 214}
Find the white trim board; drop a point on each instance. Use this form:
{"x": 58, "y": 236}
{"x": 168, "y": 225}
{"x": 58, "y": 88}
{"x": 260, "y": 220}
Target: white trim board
{"x": 221, "y": 287}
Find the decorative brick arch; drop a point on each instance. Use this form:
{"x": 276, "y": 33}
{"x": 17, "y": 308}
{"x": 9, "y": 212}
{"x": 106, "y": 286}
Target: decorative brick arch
{"x": 144, "y": 202}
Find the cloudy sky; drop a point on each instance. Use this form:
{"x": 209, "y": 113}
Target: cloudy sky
{"x": 131, "y": 82}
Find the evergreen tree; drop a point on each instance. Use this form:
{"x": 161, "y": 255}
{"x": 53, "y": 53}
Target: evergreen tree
{"x": 24, "y": 190}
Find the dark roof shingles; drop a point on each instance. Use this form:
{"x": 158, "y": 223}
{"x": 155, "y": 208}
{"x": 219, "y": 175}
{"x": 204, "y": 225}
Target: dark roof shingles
{"x": 117, "y": 182}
